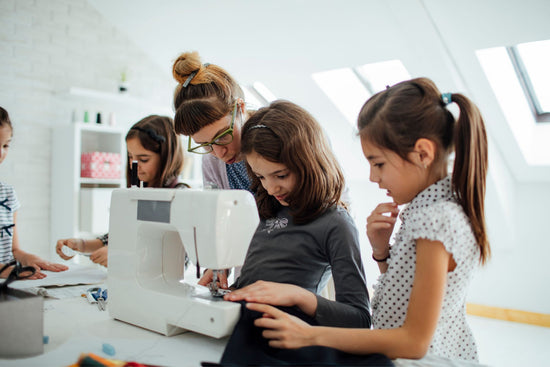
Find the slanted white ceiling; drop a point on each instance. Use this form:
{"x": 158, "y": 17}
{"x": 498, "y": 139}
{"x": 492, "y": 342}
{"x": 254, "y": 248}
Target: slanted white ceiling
{"x": 255, "y": 39}
{"x": 283, "y": 42}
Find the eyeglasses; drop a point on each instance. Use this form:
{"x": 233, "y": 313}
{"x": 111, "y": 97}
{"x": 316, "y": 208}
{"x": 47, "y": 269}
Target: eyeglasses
{"x": 224, "y": 138}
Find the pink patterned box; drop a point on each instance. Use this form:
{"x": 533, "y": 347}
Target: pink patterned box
{"x": 100, "y": 165}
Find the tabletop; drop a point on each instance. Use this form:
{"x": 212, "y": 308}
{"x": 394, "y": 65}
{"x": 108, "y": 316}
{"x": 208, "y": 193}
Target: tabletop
{"x": 74, "y": 326}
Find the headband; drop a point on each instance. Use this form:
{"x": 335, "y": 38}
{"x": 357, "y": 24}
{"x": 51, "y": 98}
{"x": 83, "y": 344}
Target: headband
{"x": 152, "y": 134}
{"x": 258, "y": 127}
{"x": 191, "y": 76}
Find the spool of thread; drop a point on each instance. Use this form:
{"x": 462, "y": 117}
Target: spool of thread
{"x": 98, "y": 118}
{"x": 112, "y": 119}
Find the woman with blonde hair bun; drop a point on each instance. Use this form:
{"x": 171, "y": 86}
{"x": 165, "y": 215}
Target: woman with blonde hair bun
{"x": 210, "y": 110}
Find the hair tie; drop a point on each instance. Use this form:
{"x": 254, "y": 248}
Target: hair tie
{"x": 152, "y": 134}
{"x": 446, "y": 98}
{"x": 189, "y": 78}
{"x": 192, "y": 75}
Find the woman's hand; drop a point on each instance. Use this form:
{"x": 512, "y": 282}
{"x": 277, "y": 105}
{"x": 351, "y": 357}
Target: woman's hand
{"x": 283, "y": 330}
{"x": 100, "y": 256}
{"x": 72, "y": 243}
{"x": 380, "y": 227}
{"x": 208, "y": 276}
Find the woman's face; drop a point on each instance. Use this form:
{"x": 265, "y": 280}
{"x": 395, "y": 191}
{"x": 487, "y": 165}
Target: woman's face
{"x": 276, "y": 178}
{"x": 230, "y": 153}
{"x": 148, "y": 161}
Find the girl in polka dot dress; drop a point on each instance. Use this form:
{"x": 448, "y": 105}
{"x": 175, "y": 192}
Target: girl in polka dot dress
{"x": 407, "y": 135}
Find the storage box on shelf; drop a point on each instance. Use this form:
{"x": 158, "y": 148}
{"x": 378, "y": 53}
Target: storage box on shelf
{"x": 100, "y": 165}
{"x": 72, "y": 145}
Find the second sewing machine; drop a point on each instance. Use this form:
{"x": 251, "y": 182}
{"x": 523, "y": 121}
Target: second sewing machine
{"x": 150, "y": 230}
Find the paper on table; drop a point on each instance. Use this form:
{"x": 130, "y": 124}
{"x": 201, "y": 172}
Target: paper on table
{"x": 76, "y": 274}
{"x": 61, "y": 292}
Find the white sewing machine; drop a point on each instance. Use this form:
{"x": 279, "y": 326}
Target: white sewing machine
{"x": 150, "y": 230}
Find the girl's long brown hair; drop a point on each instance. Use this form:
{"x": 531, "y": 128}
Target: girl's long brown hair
{"x": 397, "y": 117}
{"x": 285, "y": 133}
{"x": 156, "y": 133}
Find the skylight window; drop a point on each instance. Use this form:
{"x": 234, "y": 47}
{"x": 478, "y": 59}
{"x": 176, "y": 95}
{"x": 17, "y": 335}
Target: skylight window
{"x": 501, "y": 70}
{"x": 264, "y": 92}
{"x": 257, "y": 95}
{"x": 349, "y": 88}
{"x": 252, "y": 101}
{"x": 532, "y": 62}
{"x": 379, "y": 75}
{"x": 345, "y": 90}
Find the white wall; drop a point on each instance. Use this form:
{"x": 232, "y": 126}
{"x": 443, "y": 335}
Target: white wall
{"x": 45, "y": 48}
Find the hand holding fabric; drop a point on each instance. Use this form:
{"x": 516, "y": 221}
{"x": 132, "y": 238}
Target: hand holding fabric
{"x": 283, "y": 330}
{"x": 100, "y": 256}
{"x": 208, "y": 276}
{"x": 72, "y": 243}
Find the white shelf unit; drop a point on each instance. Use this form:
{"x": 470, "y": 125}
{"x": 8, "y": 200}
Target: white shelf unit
{"x": 68, "y": 143}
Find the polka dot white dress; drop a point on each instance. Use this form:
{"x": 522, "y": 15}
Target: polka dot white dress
{"x": 435, "y": 215}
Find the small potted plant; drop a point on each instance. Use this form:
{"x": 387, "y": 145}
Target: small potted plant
{"x": 123, "y": 86}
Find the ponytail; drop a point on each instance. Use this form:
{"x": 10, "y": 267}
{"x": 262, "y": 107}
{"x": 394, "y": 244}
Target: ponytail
{"x": 470, "y": 168}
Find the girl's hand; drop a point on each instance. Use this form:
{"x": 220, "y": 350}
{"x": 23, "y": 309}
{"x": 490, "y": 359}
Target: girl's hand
{"x": 72, "y": 243}
{"x": 277, "y": 294}
{"x": 100, "y": 256}
{"x": 39, "y": 264}
{"x": 208, "y": 276}
{"x": 46, "y": 265}
{"x": 283, "y": 330}
{"x": 380, "y": 228}
{"x": 37, "y": 275}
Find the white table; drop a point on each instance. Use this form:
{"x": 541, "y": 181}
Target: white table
{"x": 75, "y": 326}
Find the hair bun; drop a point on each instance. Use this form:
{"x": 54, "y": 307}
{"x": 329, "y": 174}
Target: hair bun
{"x": 185, "y": 64}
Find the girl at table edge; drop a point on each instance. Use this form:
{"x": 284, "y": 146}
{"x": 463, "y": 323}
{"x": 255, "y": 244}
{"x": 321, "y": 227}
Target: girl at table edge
{"x": 407, "y": 135}
{"x": 153, "y": 143}
{"x": 9, "y": 239}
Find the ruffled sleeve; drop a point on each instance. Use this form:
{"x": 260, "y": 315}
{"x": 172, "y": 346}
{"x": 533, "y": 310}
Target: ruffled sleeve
{"x": 444, "y": 222}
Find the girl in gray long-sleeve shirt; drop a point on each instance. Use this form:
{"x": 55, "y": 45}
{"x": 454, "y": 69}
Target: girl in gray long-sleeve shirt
{"x": 305, "y": 235}
{"x": 306, "y": 255}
